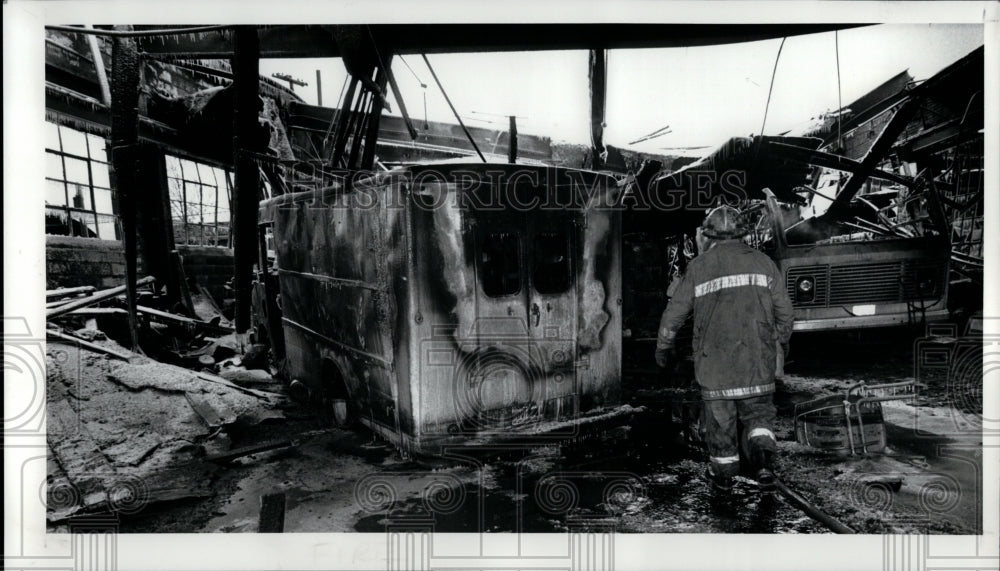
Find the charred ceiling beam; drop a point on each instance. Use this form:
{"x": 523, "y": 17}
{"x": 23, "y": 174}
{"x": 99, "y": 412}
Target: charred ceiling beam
{"x": 942, "y": 85}
{"x": 300, "y": 41}
{"x": 876, "y": 154}
{"x": 833, "y": 161}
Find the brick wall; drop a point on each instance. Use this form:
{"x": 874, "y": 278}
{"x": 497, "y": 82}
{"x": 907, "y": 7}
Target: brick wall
{"x": 73, "y": 261}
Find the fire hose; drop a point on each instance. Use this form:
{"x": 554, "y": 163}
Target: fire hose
{"x": 832, "y": 523}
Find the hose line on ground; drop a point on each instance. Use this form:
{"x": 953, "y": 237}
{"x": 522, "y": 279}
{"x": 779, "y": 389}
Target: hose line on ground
{"x": 812, "y": 511}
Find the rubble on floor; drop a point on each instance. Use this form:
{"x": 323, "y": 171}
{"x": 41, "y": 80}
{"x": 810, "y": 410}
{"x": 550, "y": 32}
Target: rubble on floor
{"x": 124, "y": 435}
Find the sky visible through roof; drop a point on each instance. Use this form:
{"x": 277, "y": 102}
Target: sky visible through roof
{"x": 704, "y": 94}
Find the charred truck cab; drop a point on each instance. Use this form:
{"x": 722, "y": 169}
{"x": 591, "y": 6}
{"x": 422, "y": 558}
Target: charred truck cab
{"x": 855, "y": 280}
{"x": 451, "y": 302}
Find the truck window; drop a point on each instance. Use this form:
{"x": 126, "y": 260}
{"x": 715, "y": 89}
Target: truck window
{"x": 551, "y": 255}
{"x": 500, "y": 264}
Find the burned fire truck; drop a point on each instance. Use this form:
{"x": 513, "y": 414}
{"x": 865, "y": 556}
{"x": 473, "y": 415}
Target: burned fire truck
{"x": 872, "y": 241}
{"x": 850, "y": 268}
{"x": 450, "y": 302}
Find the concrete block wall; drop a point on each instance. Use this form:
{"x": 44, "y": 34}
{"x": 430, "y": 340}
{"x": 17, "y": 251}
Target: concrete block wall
{"x": 74, "y": 261}
{"x": 210, "y": 267}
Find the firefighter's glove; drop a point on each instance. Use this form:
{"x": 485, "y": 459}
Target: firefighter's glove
{"x": 665, "y": 357}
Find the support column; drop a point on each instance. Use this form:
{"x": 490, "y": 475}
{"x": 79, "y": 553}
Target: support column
{"x": 124, "y": 147}
{"x": 154, "y": 224}
{"x": 246, "y": 194}
{"x": 598, "y": 91}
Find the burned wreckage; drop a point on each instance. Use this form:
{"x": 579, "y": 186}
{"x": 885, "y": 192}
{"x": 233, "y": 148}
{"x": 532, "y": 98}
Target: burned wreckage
{"x": 443, "y": 302}
{"x": 861, "y": 243}
{"x": 387, "y": 278}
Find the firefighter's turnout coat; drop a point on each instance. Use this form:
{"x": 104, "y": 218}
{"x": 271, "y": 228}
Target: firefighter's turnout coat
{"x": 742, "y": 317}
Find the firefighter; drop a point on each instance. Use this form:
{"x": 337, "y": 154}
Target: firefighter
{"x": 742, "y": 324}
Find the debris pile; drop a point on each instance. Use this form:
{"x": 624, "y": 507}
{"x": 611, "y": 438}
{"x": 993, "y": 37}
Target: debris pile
{"x": 195, "y": 334}
{"x": 128, "y": 429}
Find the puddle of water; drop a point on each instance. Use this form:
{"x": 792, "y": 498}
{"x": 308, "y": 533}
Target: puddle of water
{"x": 647, "y": 484}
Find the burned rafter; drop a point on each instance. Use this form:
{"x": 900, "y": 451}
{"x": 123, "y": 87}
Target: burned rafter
{"x": 311, "y": 41}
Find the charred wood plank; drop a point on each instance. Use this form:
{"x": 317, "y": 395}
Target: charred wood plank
{"x": 248, "y": 450}
{"x": 272, "y": 513}
{"x": 180, "y": 278}
{"x": 93, "y": 299}
{"x": 158, "y": 315}
{"x": 204, "y": 411}
{"x": 85, "y": 344}
{"x": 66, "y": 291}
{"x": 219, "y": 380}
{"x": 98, "y": 311}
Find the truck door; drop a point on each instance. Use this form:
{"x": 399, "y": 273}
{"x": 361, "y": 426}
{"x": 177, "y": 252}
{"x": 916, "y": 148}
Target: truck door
{"x": 553, "y": 303}
{"x": 497, "y": 384}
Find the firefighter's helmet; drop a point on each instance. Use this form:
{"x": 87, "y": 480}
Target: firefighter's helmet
{"x": 723, "y": 223}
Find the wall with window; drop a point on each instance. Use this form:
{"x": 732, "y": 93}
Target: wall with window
{"x": 200, "y": 198}
{"x": 84, "y": 246}
{"x": 78, "y": 196}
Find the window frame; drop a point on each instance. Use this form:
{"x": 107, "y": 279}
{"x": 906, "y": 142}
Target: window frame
{"x": 187, "y": 232}
{"x": 561, "y": 230}
{"x": 519, "y": 256}
{"x": 90, "y": 217}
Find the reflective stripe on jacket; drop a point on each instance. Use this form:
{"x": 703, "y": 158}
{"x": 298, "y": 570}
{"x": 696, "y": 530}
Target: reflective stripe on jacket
{"x": 742, "y": 314}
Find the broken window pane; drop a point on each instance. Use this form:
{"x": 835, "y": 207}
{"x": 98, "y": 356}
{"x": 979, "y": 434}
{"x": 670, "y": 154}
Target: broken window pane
{"x": 56, "y": 221}
{"x": 551, "y": 256}
{"x": 73, "y": 176}
{"x": 501, "y": 264}
{"x": 82, "y": 224}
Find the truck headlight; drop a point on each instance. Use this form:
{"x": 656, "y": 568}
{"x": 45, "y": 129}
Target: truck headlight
{"x": 805, "y": 288}
{"x": 926, "y": 279}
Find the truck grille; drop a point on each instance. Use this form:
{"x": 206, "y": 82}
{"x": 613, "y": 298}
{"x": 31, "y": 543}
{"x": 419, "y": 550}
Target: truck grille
{"x": 882, "y": 282}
